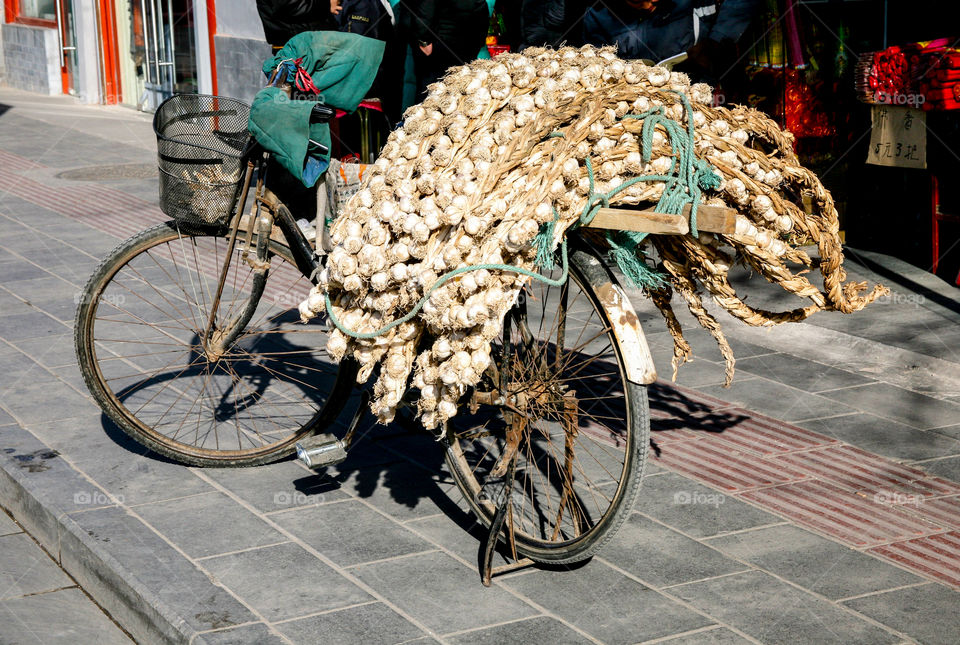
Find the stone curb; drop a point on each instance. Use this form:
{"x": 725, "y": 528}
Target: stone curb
{"x": 27, "y": 468}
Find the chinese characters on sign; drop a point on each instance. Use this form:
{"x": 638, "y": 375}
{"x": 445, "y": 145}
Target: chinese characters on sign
{"x": 899, "y": 137}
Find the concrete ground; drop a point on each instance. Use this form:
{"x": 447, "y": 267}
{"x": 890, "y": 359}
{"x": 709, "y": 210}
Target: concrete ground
{"x": 814, "y": 501}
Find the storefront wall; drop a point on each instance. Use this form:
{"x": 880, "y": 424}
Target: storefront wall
{"x": 240, "y": 49}
{"x": 30, "y": 58}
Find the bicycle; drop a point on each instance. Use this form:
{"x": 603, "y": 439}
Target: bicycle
{"x": 188, "y": 338}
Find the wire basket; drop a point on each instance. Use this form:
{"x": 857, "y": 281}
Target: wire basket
{"x": 200, "y": 142}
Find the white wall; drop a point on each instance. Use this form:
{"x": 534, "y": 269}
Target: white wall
{"x": 88, "y": 50}
{"x": 239, "y": 19}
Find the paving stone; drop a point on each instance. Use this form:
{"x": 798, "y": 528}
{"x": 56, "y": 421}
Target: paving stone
{"x": 457, "y": 532}
{"x": 143, "y": 479}
{"x": 777, "y": 400}
{"x": 606, "y": 604}
{"x": 441, "y": 593}
{"x": 813, "y": 562}
{"x": 16, "y": 269}
{"x": 39, "y": 485}
{"x": 927, "y": 613}
{"x": 258, "y": 633}
{"x": 151, "y": 565}
{"x": 52, "y": 352}
{"x": 19, "y": 369}
{"x": 34, "y": 324}
{"x": 949, "y": 468}
{"x": 299, "y": 583}
{"x": 91, "y": 438}
{"x": 698, "y": 373}
{"x": 5, "y": 418}
{"x": 950, "y": 431}
{"x": 10, "y": 304}
{"x": 7, "y": 525}
{"x": 350, "y": 533}
{"x": 695, "y": 509}
{"x": 916, "y": 410}
{"x": 662, "y": 557}
{"x": 278, "y": 486}
{"x": 718, "y": 636}
{"x": 63, "y": 617}
{"x": 773, "y": 612}
{"x": 884, "y": 436}
{"x": 401, "y": 490}
{"x": 541, "y": 629}
{"x": 56, "y": 298}
{"x": 370, "y": 624}
{"x": 34, "y": 402}
{"x": 199, "y": 524}
{"x": 799, "y": 372}
{"x": 703, "y": 344}
{"x": 25, "y": 569}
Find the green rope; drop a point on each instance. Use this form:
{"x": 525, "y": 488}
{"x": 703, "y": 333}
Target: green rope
{"x": 544, "y": 242}
{"x": 688, "y": 177}
{"x": 559, "y": 282}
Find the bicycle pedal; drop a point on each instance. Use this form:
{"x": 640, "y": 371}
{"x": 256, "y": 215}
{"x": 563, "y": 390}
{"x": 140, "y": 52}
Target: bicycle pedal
{"x": 321, "y": 451}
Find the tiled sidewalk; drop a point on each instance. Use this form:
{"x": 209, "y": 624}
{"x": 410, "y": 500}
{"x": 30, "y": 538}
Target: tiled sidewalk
{"x": 381, "y": 550}
{"x": 39, "y": 603}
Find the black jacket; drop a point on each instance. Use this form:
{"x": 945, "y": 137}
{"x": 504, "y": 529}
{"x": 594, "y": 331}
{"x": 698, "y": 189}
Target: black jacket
{"x": 457, "y": 28}
{"x": 552, "y": 22}
{"x": 673, "y": 28}
{"x": 284, "y": 19}
{"x": 365, "y": 17}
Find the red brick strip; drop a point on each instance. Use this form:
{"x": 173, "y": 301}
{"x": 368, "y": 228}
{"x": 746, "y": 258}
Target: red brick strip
{"x": 895, "y": 512}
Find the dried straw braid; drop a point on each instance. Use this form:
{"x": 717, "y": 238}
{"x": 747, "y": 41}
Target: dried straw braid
{"x": 492, "y": 168}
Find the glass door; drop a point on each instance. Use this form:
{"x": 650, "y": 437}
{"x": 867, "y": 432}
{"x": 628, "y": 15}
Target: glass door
{"x": 164, "y": 31}
{"x": 67, "y": 36}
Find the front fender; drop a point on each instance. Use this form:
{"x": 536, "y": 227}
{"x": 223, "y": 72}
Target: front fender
{"x": 626, "y": 328}
{"x": 637, "y": 360}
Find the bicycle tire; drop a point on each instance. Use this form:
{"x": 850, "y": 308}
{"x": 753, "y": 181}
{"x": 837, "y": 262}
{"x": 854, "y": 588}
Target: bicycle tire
{"x": 97, "y": 355}
{"x": 470, "y": 463}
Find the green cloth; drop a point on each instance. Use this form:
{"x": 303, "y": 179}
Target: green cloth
{"x": 342, "y": 66}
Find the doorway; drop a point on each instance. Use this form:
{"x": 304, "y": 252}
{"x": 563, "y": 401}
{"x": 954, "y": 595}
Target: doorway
{"x": 156, "y": 47}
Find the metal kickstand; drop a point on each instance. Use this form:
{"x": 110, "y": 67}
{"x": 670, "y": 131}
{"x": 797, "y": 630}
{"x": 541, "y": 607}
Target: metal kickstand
{"x": 504, "y": 515}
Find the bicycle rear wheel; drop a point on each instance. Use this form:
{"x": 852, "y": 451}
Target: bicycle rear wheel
{"x": 139, "y": 341}
{"x": 560, "y": 385}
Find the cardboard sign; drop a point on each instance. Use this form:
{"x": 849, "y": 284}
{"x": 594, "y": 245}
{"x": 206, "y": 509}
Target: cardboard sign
{"x": 899, "y": 137}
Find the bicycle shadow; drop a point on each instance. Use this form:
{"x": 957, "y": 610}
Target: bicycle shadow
{"x": 673, "y": 413}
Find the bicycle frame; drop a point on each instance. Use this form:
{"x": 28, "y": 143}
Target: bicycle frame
{"x": 270, "y": 212}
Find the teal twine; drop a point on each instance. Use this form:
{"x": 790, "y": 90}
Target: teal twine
{"x": 446, "y": 277}
{"x": 630, "y": 260}
{"x": 689, "y": 176}
{"x": 544, "y": 242}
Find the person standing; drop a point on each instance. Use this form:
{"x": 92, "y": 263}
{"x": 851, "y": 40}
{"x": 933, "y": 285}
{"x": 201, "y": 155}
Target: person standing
{"x": 551, "y": 22}
{"x": 445, "y": 33}
{"x": 284, "y": 19}
{"x": 707, "y": 30}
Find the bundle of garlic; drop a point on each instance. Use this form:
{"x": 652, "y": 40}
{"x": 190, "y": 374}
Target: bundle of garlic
{"x": 500, "y": 148}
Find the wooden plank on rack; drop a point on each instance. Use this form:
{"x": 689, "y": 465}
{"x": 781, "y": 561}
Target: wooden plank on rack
{"x": 624, "y": 219}
{"x": 715, "y": 219}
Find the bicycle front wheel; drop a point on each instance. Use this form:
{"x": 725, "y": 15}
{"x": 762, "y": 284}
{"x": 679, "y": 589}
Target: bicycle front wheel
{"x": 140, "y": 342}
{"x": 560, "y": 401}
